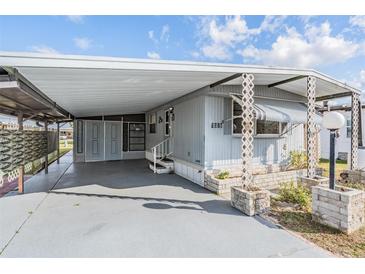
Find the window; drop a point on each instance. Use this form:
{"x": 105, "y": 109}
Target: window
{"x": 263, "y": 128}
{"x": 80, "y": 136}
{"x": 152, "y": 122}
{"x": 267, "y": 127}
{"x": 167, "y": 123}
{"x": 237, "y": 120}
{"x": 348, "y": 128}
{"x": 136, "y": 140}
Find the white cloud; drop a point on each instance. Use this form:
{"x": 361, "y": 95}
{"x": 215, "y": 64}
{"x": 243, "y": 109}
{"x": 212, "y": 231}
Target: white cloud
{"x": 359, "y": 81}
{"x": 153, "y": 55}
{"x": 151, "y": 35}
{"x": 83, "y": 43}
{"x": 44, "y": 49}
{"x": 216, "y": 51}
{"x": 195, "y": 54}
{"x": 271, "y": 23}
{"x": 358, "y": 21}
{"x": 165, "y": 33}
{"x": 77, "y": 19}
{"x": 218, "y": 39}
{"x": 314, "y": 48}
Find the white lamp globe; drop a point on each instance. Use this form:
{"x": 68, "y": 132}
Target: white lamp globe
{"x": 333, "y": 120}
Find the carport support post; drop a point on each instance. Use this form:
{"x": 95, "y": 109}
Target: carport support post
{"x": 310, "y": 137}
{"x": 58, "y": 142}
{"x": 21, "y": 167}
{"x": 355, "y": 115}
{"x": 46, "y": 152}
{"x": 247, "y": 128}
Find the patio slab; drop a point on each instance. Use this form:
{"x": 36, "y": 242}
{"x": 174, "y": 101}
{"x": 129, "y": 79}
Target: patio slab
{"x": 16, "y": 208}
{"x": 122, "y": 209}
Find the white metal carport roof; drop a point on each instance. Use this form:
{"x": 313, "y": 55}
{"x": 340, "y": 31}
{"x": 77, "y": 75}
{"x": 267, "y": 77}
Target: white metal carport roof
{"x": 88, "y": 86}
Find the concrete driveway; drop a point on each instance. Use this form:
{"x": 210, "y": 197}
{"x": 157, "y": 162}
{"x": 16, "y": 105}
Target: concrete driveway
{"x": 122, "y": 209}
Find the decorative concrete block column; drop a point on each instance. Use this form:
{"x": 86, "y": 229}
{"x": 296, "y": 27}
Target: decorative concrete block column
{"x": 248, "y": 125}
{"x": 247, "y": 198}
{"x": 250, "y": 202}
{"x": 355, "y": 101}
{"x": 311, "y": 128}
{"x": 342, "y": 208}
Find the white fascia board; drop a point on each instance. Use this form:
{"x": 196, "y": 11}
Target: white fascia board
{"x": 15, "y": 59}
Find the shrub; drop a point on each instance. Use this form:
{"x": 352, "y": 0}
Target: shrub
{"x": 296, "y": 194}
{"x": 298, "y": 159}
{"x": 223, "y": 175}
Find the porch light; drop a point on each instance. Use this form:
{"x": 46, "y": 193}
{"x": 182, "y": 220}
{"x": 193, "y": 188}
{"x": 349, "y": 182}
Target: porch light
{"x": 333, "y": 121}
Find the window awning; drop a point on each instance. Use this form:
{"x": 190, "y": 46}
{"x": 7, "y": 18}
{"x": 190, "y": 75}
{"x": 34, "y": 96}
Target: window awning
{"x": 279, "y": 111}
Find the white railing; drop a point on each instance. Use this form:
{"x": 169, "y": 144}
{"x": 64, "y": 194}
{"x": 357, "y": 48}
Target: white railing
{"x": 161, "y": 150}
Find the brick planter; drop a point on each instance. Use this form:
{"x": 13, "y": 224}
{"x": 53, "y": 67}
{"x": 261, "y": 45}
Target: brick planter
{"x": 342, "y": 208}
{"x": 310, "y": 182}
{"x": 267, "y": 181}
{"x": 250, "y": 202}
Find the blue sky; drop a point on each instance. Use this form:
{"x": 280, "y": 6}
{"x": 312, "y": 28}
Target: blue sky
{"x": 334, "y": 45}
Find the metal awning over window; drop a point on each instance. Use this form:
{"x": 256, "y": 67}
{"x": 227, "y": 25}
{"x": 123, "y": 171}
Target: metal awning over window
{"x": 279, "y": 111}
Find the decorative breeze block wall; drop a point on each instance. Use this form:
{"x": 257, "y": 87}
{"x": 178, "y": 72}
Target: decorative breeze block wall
{"x": 19, "y": 148}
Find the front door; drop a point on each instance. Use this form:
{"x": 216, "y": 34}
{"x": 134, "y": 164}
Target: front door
{"x": 94, "y": 141}
{"x": 113, "y": 144}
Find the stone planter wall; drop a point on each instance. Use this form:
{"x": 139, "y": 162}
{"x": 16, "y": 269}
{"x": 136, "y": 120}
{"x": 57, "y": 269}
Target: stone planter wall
{"x": 342, "y": 208}
{"x": 250, "y": 203}
{"x": 310, "y": 182}
{"x": 266, "y": 181}
{"x": 273, "y": 180}
{"x": 353, "y": 176}
{"x": 220, "y": 186}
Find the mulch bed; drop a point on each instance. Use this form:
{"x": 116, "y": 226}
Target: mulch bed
{"x": 300, "y": 222}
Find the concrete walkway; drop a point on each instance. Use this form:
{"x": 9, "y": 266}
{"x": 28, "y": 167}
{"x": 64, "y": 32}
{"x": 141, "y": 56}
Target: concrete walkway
{"x": 122, "y": 209}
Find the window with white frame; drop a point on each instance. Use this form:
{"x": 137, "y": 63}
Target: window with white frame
{"x": 348, "y": 128}
{"x": 263, "y": 128}
{"x": 152, "y": 122}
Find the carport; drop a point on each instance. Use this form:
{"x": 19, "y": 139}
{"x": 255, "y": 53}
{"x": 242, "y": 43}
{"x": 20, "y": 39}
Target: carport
{"x": 88, "y": 87}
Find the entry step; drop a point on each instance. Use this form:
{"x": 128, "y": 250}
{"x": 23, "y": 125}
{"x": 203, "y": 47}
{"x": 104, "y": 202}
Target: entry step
{"x": 163, "y": 167}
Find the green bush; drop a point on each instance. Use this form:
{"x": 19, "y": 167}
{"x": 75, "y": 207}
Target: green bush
{"x": 296, "y": 194}
{"x": 223, "y": 175}
{"x": 298, "y": 159}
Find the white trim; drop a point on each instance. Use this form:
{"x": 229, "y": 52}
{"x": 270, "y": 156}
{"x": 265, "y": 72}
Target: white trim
{"x": 149, "y": 122}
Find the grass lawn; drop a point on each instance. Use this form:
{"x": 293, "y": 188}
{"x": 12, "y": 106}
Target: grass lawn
{"x": 340, "y": 166}
{"x": 330, "y": 239}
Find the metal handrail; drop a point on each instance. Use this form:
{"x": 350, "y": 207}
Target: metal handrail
{"x": 162, "y": 149}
